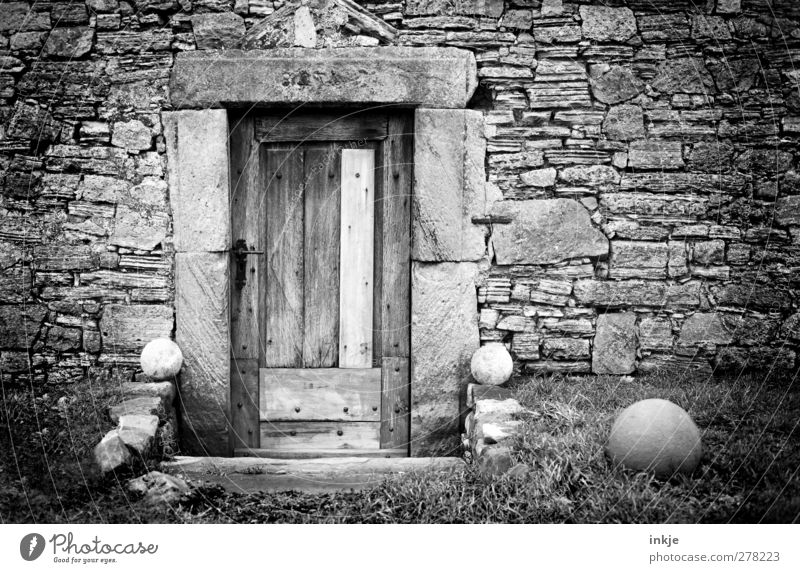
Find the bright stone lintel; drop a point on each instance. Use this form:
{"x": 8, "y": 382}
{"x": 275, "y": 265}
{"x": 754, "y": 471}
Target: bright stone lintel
{"x": 426, "y": 77}
{"x": 449, "y": 185}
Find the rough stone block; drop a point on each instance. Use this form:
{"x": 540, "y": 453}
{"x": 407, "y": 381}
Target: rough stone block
{"x": 138, "y": 432}
{"x": 491, "y": 8}
{"x": 683, "y": 75}
{"x": 68, "y": 42}
{"x": 20, "y": 325}
{"x": 787, "y": 211}
{"x": 197, "y": 156}
{"x": 539, "y": 177}
{"x": 143, "y": 406}
{"x": 632, "y": 259}
{"x": 202, "y": 332}
{"x": 704, "y": 329}
{"x": 545, "y": 231}
{"x": 127, "y": 328}
{"x": 444, "y": 335}
{"x": 605, "y": 24}
{"x": 143, "y": 229}
{"x": 624, "y": 123}
{"x": 111, "y": 453}
{"x": 18, "y": 17}
{"x": 132, "y": 135}
{"x": 655, "y": 334}
{"x": 613, "y": 84}
{"x": 425, "y": 77}
{"x": 602, "y": 176}
{"x": 615, "y": 344}
{"x": 217, "y": 30}
{"x": 449, "y": 185}
{"x": 655, "y": 155}
{"x": 566, "y": 348}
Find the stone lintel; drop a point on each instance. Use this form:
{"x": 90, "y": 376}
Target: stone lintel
{"x": 405, "y": 76}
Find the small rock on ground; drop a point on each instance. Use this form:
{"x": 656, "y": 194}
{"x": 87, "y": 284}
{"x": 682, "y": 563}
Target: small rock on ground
{"x": 159, "y": 488}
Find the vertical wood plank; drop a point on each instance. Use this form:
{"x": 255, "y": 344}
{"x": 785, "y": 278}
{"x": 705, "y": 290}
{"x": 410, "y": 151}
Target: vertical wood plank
{"x": 322, "y": 234}
{"x": 395, "y": 299}
{"x": 284, "y": 258}
{"x": 247, "y": 213}
{"x": 377, "y": 257}
{"x": 356, "y": 260}
{"x": 395, "y": 428}
{"x": 245, "y": 403}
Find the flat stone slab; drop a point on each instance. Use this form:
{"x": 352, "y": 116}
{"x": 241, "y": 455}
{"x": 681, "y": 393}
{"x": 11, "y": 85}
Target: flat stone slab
{"x": 249, "y": 475}
{"x": 429, "y": 77}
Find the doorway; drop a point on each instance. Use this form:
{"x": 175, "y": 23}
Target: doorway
{"x": 320, "y": 283}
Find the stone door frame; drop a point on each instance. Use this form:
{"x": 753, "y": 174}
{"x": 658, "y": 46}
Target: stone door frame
{"x": 448, "y": 249}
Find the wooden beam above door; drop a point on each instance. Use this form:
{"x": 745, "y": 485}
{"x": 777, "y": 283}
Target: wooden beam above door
{"x": 342, "y": 126}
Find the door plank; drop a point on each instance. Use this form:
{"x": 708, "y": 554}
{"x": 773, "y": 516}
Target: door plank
{"x": 347, "y": 126}
{"x": 356, "y": 262}
{"x": 303, "y": 436}
{"x": 247, "y": 220}
{"x": 284, "y": 258}
{"x": 395, "y": 409}
{"x": 322, "y": 234}
{"x": 331, "y": 394}
{"x": 244, "y": 402}
{"x": 396, "y": 226}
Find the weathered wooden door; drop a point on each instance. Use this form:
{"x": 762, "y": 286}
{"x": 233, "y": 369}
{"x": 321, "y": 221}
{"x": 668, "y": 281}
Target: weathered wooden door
{"x": 320, "y": 287}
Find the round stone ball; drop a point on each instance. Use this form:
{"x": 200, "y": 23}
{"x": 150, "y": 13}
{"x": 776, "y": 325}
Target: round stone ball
{"x": 491, "y": 364}
{"x": 655, "y": 435}
{"x": 161, "y": 359}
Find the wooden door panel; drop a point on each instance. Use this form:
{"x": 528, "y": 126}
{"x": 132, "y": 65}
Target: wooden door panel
{"x": 284, "y": 259}
{"x": 320, "y": 326}
{"x": 299, "y": 436}
{"x": 320, "y": 394}
{"x": 321, "y": 245}
{"x": 356, "y": 258}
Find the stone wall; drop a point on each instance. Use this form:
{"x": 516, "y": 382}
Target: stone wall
{"x": 645, "y": 151}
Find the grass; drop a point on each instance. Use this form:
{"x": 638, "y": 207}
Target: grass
{"x": 750, "y": 470}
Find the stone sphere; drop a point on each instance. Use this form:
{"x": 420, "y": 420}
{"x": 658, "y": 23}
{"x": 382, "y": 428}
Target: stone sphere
{"x": 655, "y": 435}
{"x": 491, "y": 364}
{"x": 161, "y": 359}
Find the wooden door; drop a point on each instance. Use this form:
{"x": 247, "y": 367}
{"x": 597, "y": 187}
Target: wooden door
{"x": 320, "y": 287}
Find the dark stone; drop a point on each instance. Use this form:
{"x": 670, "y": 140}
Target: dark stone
{"x": 683, "y": 75}
{"x": 614, "y": 84}
{"x": 68, "y": 42}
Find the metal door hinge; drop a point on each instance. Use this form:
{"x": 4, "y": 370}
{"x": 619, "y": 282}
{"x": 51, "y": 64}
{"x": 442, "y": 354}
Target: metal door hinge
{"x": 240, "y": 251}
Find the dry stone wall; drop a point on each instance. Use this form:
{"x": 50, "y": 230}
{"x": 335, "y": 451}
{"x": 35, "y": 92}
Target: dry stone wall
{"x": 645, "y": 152}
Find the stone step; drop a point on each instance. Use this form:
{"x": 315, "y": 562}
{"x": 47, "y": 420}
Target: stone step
{"x": 250, "y": 474}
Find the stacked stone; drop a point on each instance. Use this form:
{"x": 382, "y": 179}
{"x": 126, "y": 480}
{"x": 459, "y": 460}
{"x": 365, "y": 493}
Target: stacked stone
{"x": 645, "y": 153}
{"x": 672, "y": 132}
{"x": 494, "y": 420}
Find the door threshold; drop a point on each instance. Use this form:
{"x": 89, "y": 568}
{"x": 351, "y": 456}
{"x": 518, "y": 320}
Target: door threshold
{"x": 329, "y": 453}
{"x": 257, "y": 474}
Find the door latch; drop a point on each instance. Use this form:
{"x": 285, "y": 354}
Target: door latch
{"x": 240, "y": 251}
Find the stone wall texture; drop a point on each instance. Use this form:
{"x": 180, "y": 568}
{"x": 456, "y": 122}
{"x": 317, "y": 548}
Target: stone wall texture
{"x": 660, "y": 135}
